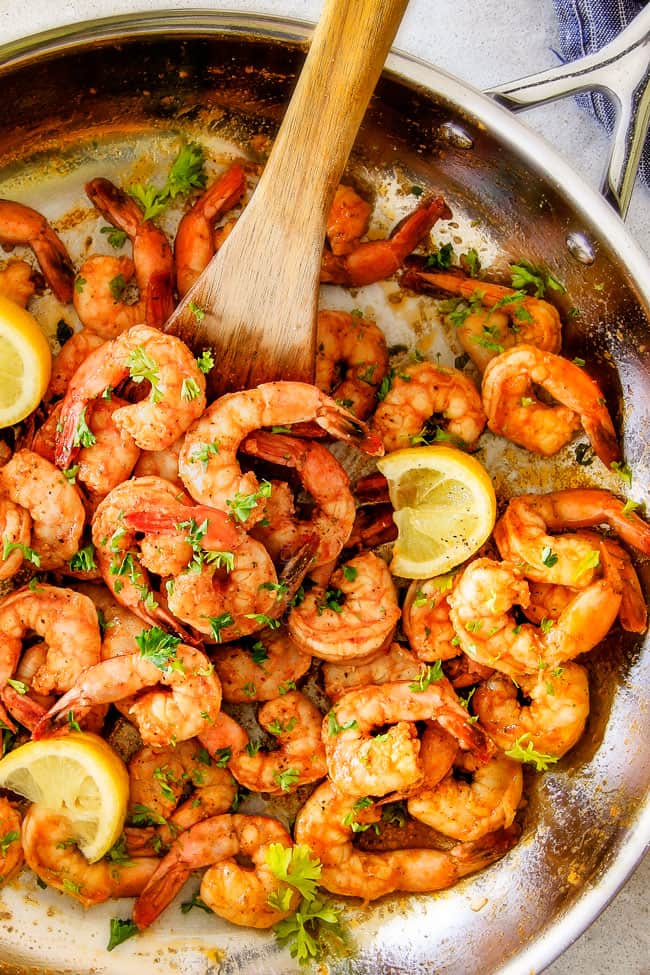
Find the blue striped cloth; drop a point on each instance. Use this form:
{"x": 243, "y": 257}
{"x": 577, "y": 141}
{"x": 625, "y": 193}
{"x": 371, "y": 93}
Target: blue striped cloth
{"x": 585, "y": 26}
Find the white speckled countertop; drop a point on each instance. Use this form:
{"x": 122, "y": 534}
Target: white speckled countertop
{"x": 483, "y": 43}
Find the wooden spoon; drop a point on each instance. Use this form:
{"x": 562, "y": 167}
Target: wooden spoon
{"x": 259, "y": 293}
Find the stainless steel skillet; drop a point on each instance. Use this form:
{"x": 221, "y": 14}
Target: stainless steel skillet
{"x": 72, "y": 101}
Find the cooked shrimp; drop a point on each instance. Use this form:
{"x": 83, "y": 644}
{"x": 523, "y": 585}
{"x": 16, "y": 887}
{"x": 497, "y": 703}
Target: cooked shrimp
{"x": 152, "y": 255}
{"x": 17, "y": 282}
{"x": 425, "y": 618}
{"x": 99, "y": 296}
{"x": 241, "y": 894}
{"x": 374, "y": 260}
{"x": 510, "y": 318}
{"x": 554, "y": 717}
{"x": 514, "y": 410}
{"x": 480, "y": 604}
{"x": 194, "y": 245}
{"x": 15, "y": 533}
{"x": 522, "y": 532}
{"x": 64, "y": 365}
{"x": 20, "y": 224}
{"x": 190, "y": 695}
{"x": 347, "y": 220}
{"x": 325, "y": 825}
{"x": 361, "y": 765}
{"x": 470, "y": 810}
{"x": 160, "y": 463}
{"x": 225, "y": 598}
{"x": 180, "y": 785}
{"x": 54, "y": 505}
{"x": 51, "y": 852}
{"x": 67, "y": 622}
{"x": 11, "y": 847}
{"x": 176, "y": 397}
{"x": 422, "y": 391}
{"x": 438, "y": 752}
{"x": 119, "y": 555}
{"x": 354, "y": 617}
{"x": 351, "y": 360}
{"x": 103, "y": 464}
{"x": 322, "y": 476}
{"x": 548, "y": 600}
{"x": 262, "y": 670}
{"x": 463, "y": 672}
{"x": 394, "y": 663}
{"x": 300, "y": 757}
{"x": 119, "y": 627}
{"x": 208, "y": 462}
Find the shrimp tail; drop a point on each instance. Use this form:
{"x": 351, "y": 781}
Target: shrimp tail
{"x": 345, "y": 426}
{"x": 602, "y": 436}
{"x": 470, "y": 736}
{"x": 56, "y": 265}
{"x": 159, "y": 300}
{"x": 65, "y": 446}
{"x": 294, "y": 571}
{"x": 220, "y": 529}
{"x": 476, "y": 854}
{"x": 22, "y": 707}
{"x": 159, "y": 892}
{"x": 114, "y": 205}
{"x": 73, "y": 701}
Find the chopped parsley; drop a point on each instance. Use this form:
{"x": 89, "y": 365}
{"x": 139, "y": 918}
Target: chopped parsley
{"x": 83, "y": 560}
{"x": 190, "y": 389}
{"x": 83, "y": 435}
{"x": 333, "y": 726}
{"x": 28, "y": 553}
{"x": 187, "y": 173}
{"x": 242, "y": 504}
{"x": 431, "y": 674}
{"x": 204, "y": 452}
{"x": 116, "y": 238}
{"x": 120, "y": 931}
{"x": 442, "y": 258}
{"x": 159, "y": 648}
{"x": 141, "y": 366}
{"x": 205, "y": 361}
{"x": 219, "y": 623}
{"x": 540, "y": 760}
{"x": 549, "y": 557}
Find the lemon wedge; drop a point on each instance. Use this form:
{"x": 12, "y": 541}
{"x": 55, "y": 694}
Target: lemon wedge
{"x": 445, "y": 508}
{"x": 78, "y": 776}
{"x": 25, "y": 363}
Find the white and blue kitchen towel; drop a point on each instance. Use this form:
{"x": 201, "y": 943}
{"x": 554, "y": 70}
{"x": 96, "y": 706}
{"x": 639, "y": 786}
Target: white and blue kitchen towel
{"x": 585, "y": 27}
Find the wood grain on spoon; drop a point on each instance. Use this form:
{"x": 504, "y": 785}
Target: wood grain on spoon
{"x": 260, "y": 291}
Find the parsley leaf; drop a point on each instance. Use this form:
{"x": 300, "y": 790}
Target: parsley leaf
{"x": 83, "y": 560}
{"x": 28, "y": 553}
{"x": 294, "y": 866}
{"x": 242, "y": 504}
{"x": 303, "y": 931}
{"x": 540, "y": 760}
{"x": 115, "y": 237}
{"x": 219, "y": 623}
{"x": 442, "y": 258}
{"x": 141, "y": 366}
{"x": 431, "y": 674}
{"x": 159, "y": 648}
{"x": 120, "y": 931}
{"x": 187, "y": 173}
{"x": 83, "y": 435}
{"x": 287, "y": 778}
{"x": 205, "y": 361}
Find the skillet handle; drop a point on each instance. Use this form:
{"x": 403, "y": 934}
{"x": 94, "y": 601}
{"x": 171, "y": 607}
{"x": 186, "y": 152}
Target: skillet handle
{"x": 621, "y": 68}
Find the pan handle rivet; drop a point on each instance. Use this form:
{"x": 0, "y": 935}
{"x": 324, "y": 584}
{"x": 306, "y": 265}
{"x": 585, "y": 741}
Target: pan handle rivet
{"x": 456, "y": 135}
{"x": 580, "y": 247}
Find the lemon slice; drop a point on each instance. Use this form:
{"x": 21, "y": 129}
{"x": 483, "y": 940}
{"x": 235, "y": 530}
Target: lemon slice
{"x": 25, "y": 363}
{"x": 445, "y": 508}
{"x": 78, "y": 776}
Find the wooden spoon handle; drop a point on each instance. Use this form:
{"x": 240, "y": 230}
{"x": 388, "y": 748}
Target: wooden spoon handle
{"x": 259, "y": 294}
{"x": 346, "y": 57}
